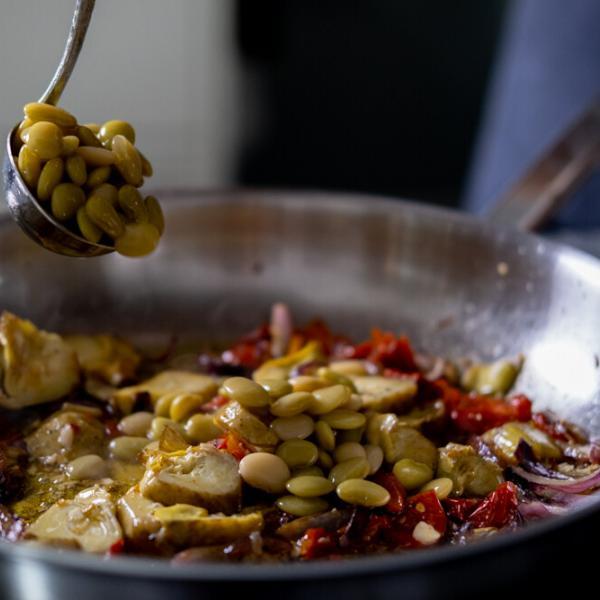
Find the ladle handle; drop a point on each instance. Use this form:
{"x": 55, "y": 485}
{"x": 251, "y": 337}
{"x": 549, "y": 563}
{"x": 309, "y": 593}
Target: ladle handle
{"x": 550, "y": 180}
{"x": 79, "y": 26}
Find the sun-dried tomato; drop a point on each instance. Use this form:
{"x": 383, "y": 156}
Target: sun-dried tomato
{"x": 557, "y": 429}
{"x": 386, "y": 349}
{"x": 315, "y": 543}
{"x": 251, "y": 350}
{"x": 118, "y": 547}
{"x": 111, "y": 428}
{"x": 216, "y": 403}
{"x": 459, "y": 509}
{"x": 473, "y": 413}
{"x": 498, "y": 509}
{"x": 397, "y": 502}
{"x": 233, "y": 445}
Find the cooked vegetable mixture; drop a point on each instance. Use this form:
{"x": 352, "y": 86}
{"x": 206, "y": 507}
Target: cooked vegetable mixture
{"x": 292, "y": 444}
{"x": 88, "y": 177}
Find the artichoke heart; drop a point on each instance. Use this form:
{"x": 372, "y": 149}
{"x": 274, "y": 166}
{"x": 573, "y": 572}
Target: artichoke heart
{"x": 201, "y": 476}
{"x": 88, "y": 522}
{"x": 385, "y": 394}
{"x": 106, "y": 357}
{"x": 37, "y": 366}
{"x": 186, "y": 530}
{"x": 235, "y": 418}
{"x": 166, "y": 382}
{"x": 471, "y": 474}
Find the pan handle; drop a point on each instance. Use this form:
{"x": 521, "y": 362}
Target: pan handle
{"x": 548, "y": 182}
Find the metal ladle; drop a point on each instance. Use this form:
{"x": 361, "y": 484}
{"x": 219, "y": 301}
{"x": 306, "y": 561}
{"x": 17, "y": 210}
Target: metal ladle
{"x": 37, "y": 223}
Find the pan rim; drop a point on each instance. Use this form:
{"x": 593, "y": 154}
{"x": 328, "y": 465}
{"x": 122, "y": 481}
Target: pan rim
{"x": 155, "y": 569}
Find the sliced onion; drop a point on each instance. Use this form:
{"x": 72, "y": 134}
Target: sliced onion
{"x": 539, "y": 510}
{"x": 280, "y": 328}
{"x": 571, "y": 486}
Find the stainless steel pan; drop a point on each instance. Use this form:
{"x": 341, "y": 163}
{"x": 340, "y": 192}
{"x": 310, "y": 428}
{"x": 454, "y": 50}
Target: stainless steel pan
{"x": 457, "y": 285}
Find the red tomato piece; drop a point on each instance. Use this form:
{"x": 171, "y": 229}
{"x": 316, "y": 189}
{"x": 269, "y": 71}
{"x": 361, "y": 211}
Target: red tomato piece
{"x": 555, "y": 429}
{"x": 397, "y": 502}
{"x": 233, "y": 445}
{"x": 424, "y": 506}
{"x": 315, "y": 543}
{"x": 376, "y": 526}
{"x": 499, "y": 508}
{"x": 472, "y": 413}
{"x": 118, "y": 547}
{"x": 111, "y": 428}
{"x": 251, "y": 350}
{"x": 386, "y": 349}
{"x": 214, "y": 404}
{"x": 318, "y": 331}
{"x": 459, "y": 509}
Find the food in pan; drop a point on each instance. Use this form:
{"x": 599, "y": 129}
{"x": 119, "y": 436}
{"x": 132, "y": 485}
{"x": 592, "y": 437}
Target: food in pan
{"x": 88, "y": 177}
{"x": 292, "y": 444}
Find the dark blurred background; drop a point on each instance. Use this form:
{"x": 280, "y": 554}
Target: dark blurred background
{"x": 445, "y": 102}
{"x": 442, "y": 101}
{"x": 376, "y": 96}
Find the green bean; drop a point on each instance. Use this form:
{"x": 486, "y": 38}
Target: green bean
{"x": 45, "y": 140}
{"x": 67, "y": 198}
{"x": 342, "y": 418}
{"x": 325, "y": 436}
{"x": 374, "y": 458}
{"x": 89, "y": 230}
{"x": 102, "y": 213}
{"x": 307, "y": 383}
{"x": 328, "y": 399}
{"x": 76, "y": 169}
{"x": 324, "y": 459}
{"x": 265, "y": 471}
{"x": 412, "y": 474}
{"x": 139, "y": 239}
{"x": 183, "y": 405}
{"x": 363, "y": 493}
{"x": 350, "y": 435}
{"x": 111, "y": 128}
{"x": 312, "y": 470}
{"x": 39, "y": 111}
{"x": 127, "y": 447}
{"x": 50, "y": 177}
{"x": 309, "y": 486}
{"x": 70, "y": 144}
{"x": 30, "y": 166}
{"x": 127, "y": 160}
{"x": 441, "y": 486}
{"x": 354, "y": 468}
{"x": 291, "y": 404}
{"x": 245, "y": 391}
{"x": 97, "y": 177}
{"x": 147, "y": 169}
{"x": 334, "y": 377}
{"x": 96, "y": 157}
{"x": 298, "y": 453}
{"x": 89, "y": 466}
{"x": 106, "y": 191}
{"x": 276, "y": 387}
{"x": 349, "y": 450}
{"x": 132, "y": 204}
{"x": 301, "y": 507}
{"x": 201, "y": 428}
{"x": 155, "y": 214}
{"x": 298, "y": 427}
{"x": 87, "y": 137}
{"x": 136, "y": 424}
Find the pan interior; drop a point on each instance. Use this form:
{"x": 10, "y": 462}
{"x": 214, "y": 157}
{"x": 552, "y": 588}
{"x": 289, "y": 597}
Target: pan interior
{"x": 457, "y": 286}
